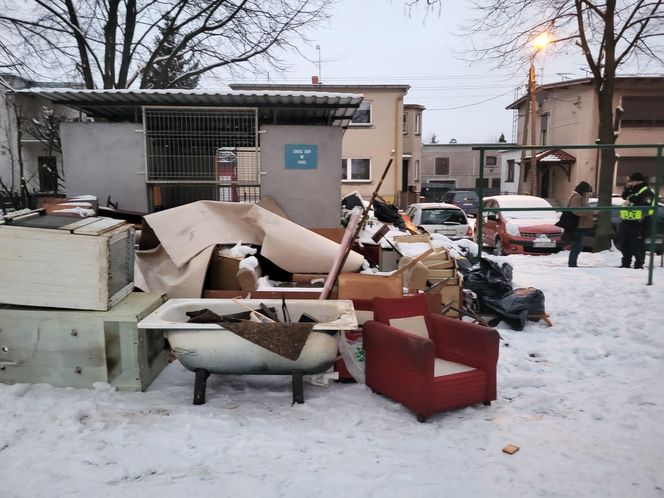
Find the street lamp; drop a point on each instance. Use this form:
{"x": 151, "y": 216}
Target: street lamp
{"x": 539, "y": 43}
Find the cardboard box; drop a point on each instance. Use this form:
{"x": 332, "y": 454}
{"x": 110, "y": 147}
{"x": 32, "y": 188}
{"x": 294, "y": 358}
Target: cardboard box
{"x": 222, "y": 272}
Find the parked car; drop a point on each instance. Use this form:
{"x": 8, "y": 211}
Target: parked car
{"x": 520, "y": 232}
{"x": 438, "y": 217}
{"x": 617, "y": 200}
{"x": 465, "y": 199}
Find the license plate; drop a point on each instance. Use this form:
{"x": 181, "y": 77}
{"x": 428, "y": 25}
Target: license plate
{"x": 447, "y": 231}
{"x": 544, "y": 243}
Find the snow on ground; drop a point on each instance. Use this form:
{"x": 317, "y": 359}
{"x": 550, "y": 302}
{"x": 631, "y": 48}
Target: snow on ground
{"x": 584, "y": 400}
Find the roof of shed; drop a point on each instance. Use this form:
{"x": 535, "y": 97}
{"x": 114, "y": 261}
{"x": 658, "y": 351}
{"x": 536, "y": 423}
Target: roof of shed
{"x": 277, "y": 107}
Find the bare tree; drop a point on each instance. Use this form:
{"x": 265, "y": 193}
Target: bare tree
{"x": 110, "y": 43}
{"x": 607, "y": 33}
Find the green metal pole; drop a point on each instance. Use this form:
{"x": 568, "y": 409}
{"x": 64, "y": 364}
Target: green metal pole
{"x": 478, "y": 221}
{"x": 659, "y": 169}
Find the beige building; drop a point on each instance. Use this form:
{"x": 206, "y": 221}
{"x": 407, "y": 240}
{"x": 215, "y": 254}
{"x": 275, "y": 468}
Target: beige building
{"x": 382, "y": 128}
{"x": 456, "y": 166}
{"x": 567, "y": 114}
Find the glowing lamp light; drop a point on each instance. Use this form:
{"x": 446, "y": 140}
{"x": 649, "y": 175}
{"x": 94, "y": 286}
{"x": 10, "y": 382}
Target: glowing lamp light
{"x": 541, "y": 41}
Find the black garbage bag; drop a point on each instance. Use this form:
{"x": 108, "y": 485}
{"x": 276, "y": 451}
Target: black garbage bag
{"x": 351, "y": 201}
{"x": 388, "y": 213}
{"x": 515, "y": 307}
{"x": 489, "y": 280}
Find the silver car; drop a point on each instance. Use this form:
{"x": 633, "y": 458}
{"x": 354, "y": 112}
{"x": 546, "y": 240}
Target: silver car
{"x": 438, "y": 217}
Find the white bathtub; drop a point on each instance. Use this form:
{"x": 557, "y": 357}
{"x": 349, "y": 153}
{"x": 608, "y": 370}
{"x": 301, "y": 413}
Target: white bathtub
{"x": 210, "y": 347}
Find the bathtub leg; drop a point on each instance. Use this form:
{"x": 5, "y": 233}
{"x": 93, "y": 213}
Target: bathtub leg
{"x": 199, "y": 386}
{"x": 298, "y": 387}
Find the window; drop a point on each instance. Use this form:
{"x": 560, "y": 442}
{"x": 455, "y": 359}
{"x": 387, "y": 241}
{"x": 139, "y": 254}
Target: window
{"x": 416, "y": 173}
{"x": 441, "y": 216}
{"x": 491, "y": 160}
{"x": 630, "y": 164}
{"x": 418, "y": 123}
{"x": 442, "y": 166}
{"x": 485, "y": 182}
{"x": 544, "y": 128}
{"x": 495, "y": 183}
{"x": 510, "y": 171}
{"x": 362, "y": 115}
{"x": 355, "y": 170}
{"x": 642, "y": 112}
{"x": 48, "y": 173}
{"x": 405, "y": 123}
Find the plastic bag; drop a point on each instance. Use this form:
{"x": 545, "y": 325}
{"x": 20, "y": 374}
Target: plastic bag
{"x": 489, "y": 280}
{"x": 352, "y": 353}
{"x": 515, "y": 307}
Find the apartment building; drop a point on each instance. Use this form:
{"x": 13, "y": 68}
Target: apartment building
{"x": 567, "y": 114}
{"x": 456, "y": 166}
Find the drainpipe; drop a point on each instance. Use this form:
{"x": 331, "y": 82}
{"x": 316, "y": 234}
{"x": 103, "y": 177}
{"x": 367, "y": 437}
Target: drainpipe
{"x": 398, "y": 146}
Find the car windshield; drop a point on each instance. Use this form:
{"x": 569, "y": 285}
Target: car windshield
{"x": 442, "y": 216}
{"x": 466, "y": 197}
{"x": 535, "y": 202}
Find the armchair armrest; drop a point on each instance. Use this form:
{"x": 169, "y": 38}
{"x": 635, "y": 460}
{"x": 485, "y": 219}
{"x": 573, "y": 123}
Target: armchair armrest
{"x": 468, "y": 343}
{"x": 396, "y": 359}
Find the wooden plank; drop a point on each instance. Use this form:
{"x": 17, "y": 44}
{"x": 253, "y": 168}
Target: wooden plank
{"x": 276, "y": 294}
{"x": 102, "y": 225}
{"x": 79, "y": 223}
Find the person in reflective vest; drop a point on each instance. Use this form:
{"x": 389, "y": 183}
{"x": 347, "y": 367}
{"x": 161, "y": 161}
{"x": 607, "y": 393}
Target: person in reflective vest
{"x": 635, "y": 220}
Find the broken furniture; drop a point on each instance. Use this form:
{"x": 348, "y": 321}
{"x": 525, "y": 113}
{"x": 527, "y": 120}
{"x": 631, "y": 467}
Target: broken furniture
{"x": 427, "y": 362}
{"x": 182, "y": 241}
{"x": 206, "y": 348}
{"x": 74, "y": 348}
{"x": 64, "y": 262}
{"x": 442, "y": 272}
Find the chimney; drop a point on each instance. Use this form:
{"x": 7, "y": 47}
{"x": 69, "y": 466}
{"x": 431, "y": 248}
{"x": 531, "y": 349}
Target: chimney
{"x": 314, "y": 80}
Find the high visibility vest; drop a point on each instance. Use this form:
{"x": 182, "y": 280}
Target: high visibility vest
{"x": 636, "y": 214}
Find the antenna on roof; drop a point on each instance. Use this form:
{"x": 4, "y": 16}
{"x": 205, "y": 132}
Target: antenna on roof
{"x": 319, "y": 71}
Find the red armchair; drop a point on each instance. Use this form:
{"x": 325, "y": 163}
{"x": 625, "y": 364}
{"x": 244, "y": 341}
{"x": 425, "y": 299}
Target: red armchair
{"x": 454, "y": 366}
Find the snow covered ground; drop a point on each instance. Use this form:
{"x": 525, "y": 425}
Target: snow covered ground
{"x": 584, "y": 401}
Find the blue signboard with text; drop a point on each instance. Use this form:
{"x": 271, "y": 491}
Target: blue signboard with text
{"x": 301, "y": 156}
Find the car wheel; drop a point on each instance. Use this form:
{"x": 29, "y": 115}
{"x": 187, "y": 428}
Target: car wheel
{"x": 498, "y": 248}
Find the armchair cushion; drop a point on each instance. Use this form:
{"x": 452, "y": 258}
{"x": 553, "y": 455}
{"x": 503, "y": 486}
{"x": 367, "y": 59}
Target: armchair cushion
{"x": 414, "y": 324}
{"x": 442, "y": 368}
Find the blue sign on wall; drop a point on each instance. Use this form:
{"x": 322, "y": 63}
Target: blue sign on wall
{"x": 301, "y": 156}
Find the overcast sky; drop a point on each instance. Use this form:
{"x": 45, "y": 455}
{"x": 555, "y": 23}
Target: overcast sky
{"x": 376, "y": 42}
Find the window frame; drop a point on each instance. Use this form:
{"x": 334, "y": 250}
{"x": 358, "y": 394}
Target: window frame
{"x": 493, "y": 158}
{"x": 359, "y": 125}
{"x": 435, "y": 166}
{"x": 418, "y": 124}
{"x": 510, "y": 170}
{"x": 404, "y": 123}
{"x": 416, "y": 173}
{"x": 349, "y": 170}
{"x": 639, "y": 118}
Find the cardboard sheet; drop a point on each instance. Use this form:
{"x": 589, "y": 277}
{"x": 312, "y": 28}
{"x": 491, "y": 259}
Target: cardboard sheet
{"x": 189, "y": 233}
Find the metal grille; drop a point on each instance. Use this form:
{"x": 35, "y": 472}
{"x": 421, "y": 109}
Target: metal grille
{"x": 202, "y": 153}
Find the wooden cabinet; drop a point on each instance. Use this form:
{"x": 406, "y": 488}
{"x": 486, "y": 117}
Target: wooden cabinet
{"x": 65, "y": 262}
{"x": 71, "y": 348}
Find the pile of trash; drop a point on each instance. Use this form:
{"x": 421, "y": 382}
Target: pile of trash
{"x": 492, "y": 285}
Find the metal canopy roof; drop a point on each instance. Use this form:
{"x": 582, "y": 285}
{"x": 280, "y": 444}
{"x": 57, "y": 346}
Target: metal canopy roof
{"x": 274, "y": 107}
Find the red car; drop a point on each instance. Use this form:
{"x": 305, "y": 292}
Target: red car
{"x": 520, "y": 232}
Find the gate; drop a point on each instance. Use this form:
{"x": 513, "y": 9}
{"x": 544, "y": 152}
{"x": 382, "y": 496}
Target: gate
{"x": 201, "y": 153}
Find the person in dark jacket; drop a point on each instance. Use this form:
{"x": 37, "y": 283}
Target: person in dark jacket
{"x": 575, "y": 237}
{"x": 635, "y": 220}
